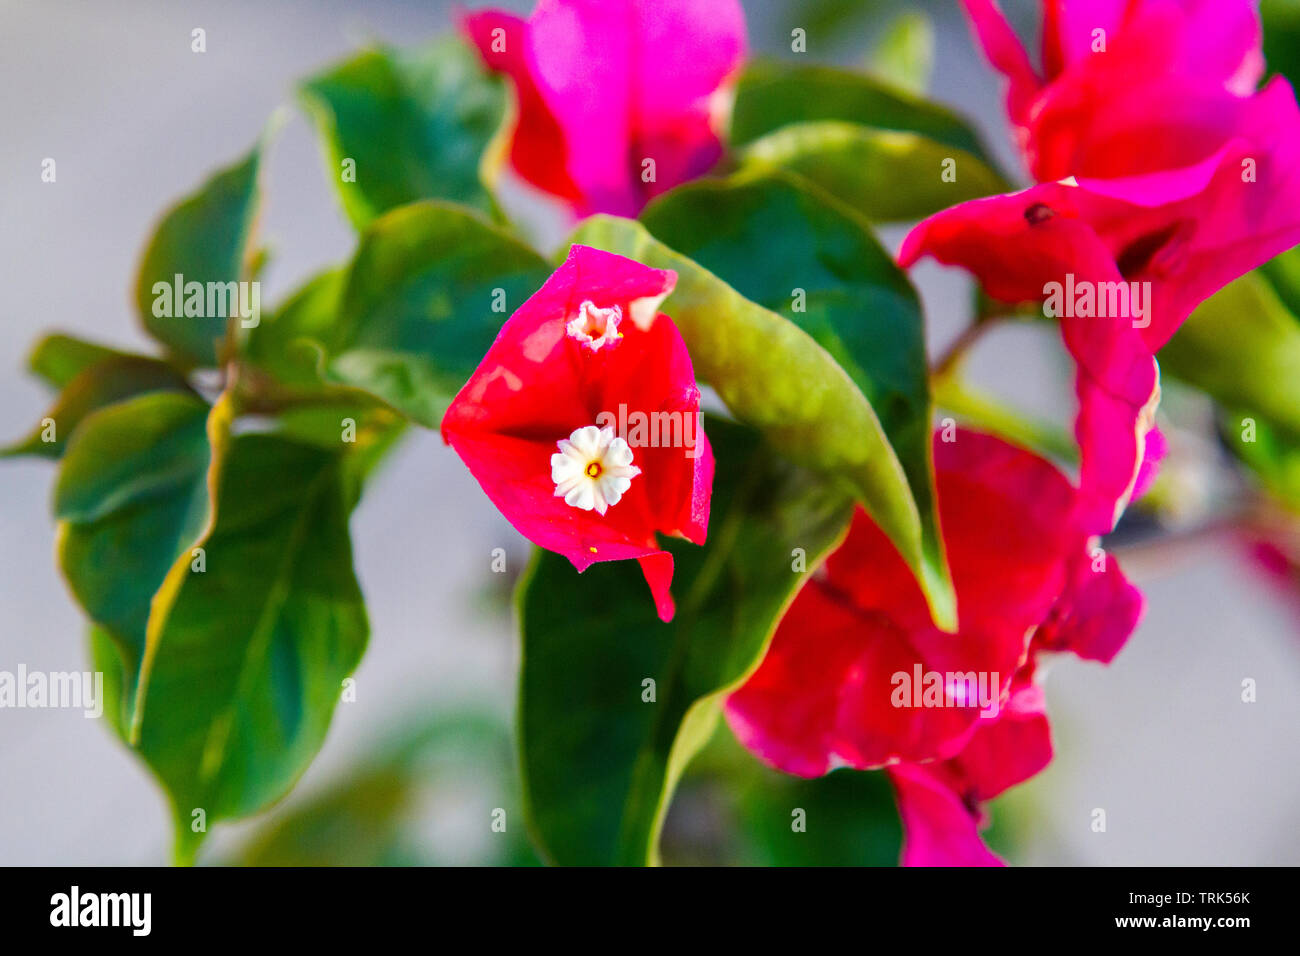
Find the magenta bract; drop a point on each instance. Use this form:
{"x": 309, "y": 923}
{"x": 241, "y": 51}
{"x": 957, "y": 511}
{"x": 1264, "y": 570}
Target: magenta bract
{"x": 1176, "y": 178}
{"x": 617, "y": 102}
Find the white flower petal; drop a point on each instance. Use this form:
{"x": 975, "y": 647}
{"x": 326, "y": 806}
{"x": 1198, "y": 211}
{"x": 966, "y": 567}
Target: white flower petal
{"x": 581, "y": 496}
{"x": 563, "y": 488}
{"x": 620, "y": 453}
{"x": 591, "y": 488}
{"x": 562, "y": 466}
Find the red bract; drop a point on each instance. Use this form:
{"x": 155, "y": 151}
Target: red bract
{"x": 940, "y": 802}
{"x": 582, "y": 421}
{"x": 858, "y": 675}
{"x": 602, "y": 87}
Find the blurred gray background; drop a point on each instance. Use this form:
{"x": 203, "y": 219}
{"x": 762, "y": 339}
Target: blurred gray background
{"x": 1186, "y": 772}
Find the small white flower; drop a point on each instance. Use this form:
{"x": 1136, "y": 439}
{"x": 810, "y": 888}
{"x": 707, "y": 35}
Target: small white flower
{"x": 592, "y": 469}
{"x": 594, "y": 327}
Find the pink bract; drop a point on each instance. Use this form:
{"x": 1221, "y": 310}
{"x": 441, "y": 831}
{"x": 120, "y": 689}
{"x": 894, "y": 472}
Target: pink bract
{"x": 602, "y": 87}
{"x": 1125, "y": 86}
{"x": 1018, "y": 244}
{"x": 1176, "y": 178}
{"x": 1188, "y": 175}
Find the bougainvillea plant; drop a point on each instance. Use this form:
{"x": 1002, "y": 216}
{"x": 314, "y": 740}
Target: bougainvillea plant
{"x": 761, "y": 514}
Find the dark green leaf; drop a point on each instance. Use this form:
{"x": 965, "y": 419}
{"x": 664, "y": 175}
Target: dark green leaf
{"x": 1282, "y": 37}
{"x": 599, "y": 762}
{"x": 244, "y": 659}
{"x": 130, "y": 499}
{"x": 850, "y": 820}
{"x": 771, "y": 95}
{"x": 761, "y": 817}
{"x": 283, "y": 378}
{"x": 103, "y": 383}
{"x": 417, "y": 313}
{"x": 367, "y": 429}
{"x": 290, "y": 340}
{"x": 59, "y": 358}
{"x": 885, "y": 175}
{"x": 795, "y": 253}
{"x": 416, "y": 123}
{"x": 205, "y": 239}
{"x": 129, "y": 452}
{"x": 1283, "y": 274}
{"x": 810, "y": 381}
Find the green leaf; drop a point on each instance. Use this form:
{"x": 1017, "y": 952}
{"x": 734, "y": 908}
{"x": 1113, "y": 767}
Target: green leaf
{"x": 289, "y": 340}
{"x": 851, "y": 820}
{"x": 128, "y": 452}
{"x": 826, "y": 21}
{"x": 1282, "y": 37}
{"x": 1283, "y": 274}
{"x": 1270, "y": 451}
{"x": 130, "y": 498}
{"x": 377, "y": 812}
{"x": 768, "y": 818}
{"x": 599, "y": 763}
{"x": 886, "y": 175}
{"x": 1242, "y": 347}
{"x": 904, "y": 54}
{"x": 101, "y": 384}
{"x": 409, "y": 319}
{"x": 769, "y": 238}
{"x": 59, "y": 358}
{"x": 283, "y": 377}
{"x": 106, "y": 658}
{"x": 417, "y": 313}
{"x": 417, "y": 123}
{"x": 205, "y": 239}
{"x": 244, "y": 659}
{"x": 771, "y": 95}
{"x": 840, "y": 387}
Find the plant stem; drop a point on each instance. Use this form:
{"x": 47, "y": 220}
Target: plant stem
{"x": 956, "y": 351}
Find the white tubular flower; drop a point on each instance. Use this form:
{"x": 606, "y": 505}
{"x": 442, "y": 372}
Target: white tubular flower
{"x": 592, "y": 469}
{"x": 595, "y": 327}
